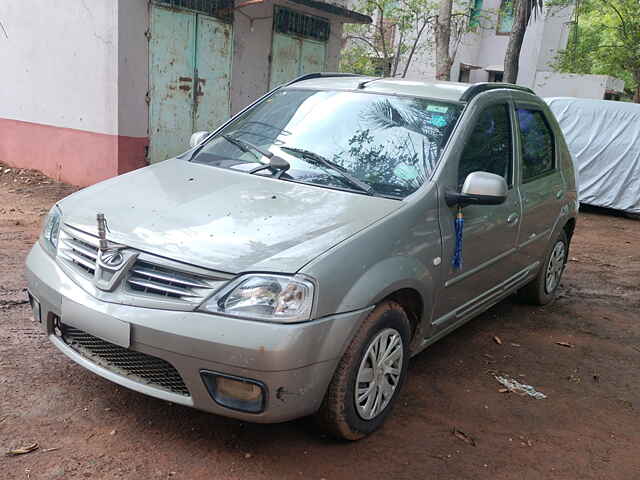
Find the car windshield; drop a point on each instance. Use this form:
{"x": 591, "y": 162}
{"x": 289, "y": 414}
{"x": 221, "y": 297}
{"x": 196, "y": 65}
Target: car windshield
{"x": 367, "y": 143}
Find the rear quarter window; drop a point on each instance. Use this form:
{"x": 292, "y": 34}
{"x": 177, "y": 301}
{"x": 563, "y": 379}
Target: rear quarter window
{"x": 537, "y": 144}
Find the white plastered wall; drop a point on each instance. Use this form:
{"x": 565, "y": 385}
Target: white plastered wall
{"x": 59, "y": 63}
{"x": 552, "y": 84}
{"x": 133, "y": 67}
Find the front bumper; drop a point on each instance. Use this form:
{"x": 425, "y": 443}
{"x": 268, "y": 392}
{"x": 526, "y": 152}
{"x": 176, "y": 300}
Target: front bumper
{"x": 294, "y": 362}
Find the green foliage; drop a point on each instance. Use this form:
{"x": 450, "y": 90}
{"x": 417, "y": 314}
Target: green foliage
{"x": 400, "y": 30}
{"x": 605, "y": 40}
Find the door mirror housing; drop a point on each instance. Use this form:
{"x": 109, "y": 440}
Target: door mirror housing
{"x": 480, "y": 188}
{"x": 197, "y": 138}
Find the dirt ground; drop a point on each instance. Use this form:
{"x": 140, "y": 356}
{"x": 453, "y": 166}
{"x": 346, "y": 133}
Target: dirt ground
{"x": 586, "y": 428}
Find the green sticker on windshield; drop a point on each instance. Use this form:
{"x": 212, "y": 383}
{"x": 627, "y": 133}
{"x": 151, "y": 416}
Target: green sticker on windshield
{"x": 437, "y": 108}
{"x": 438, "y": 121}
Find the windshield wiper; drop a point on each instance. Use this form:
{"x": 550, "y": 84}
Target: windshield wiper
{"x": 317, "y": 158}
{"x": 247, "y": 146}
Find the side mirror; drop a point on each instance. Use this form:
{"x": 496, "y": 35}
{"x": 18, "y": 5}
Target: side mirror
{"x": 197, "y": 138}
{"x": 480, "y": 188}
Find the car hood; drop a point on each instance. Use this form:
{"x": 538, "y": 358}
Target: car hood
{"x": 221, "y": 219}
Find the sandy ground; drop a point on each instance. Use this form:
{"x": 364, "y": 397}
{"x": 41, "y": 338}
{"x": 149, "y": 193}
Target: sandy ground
{"x": 587, "y": 428}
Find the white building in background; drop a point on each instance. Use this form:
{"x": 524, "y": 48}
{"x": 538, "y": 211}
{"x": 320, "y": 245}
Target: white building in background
{"x": 480, "y": 56}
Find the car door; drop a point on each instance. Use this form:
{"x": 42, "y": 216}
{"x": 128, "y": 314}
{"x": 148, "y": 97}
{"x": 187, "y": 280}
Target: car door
{"x": 541, "y": 184}
{"x": 490, "y": 231}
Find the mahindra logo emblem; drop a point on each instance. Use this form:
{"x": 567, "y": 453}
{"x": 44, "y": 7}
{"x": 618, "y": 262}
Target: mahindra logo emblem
{"x": 113, "y": 261}
{"x": 111, "y": 258}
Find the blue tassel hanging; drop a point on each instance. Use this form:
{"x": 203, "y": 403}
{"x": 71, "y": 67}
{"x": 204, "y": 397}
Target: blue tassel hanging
{"x": 459, "y": 227}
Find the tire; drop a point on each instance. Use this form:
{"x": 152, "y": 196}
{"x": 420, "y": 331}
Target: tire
{"x": 339, "y": 415}
{"x": 537, "y": 292}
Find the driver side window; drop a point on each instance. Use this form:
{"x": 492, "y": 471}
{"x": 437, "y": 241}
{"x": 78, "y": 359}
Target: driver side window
{"x": 489, "y": 147}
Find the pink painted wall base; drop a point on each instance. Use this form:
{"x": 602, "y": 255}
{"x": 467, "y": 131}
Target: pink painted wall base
{"x": 73, "y": 156}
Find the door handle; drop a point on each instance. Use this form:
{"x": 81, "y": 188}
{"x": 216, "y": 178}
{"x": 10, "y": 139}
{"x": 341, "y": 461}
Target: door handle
{"x": 513, "y": 218}
{"x": 559, "y": 194}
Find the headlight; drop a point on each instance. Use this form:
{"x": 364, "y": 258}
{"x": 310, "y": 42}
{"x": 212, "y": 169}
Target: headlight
{"x": 51, "y": 230}
{"x": 270, "y": 298}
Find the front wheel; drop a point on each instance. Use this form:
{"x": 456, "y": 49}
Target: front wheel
{"x": 369, "y": 376}
{"x": 542, "y": 289}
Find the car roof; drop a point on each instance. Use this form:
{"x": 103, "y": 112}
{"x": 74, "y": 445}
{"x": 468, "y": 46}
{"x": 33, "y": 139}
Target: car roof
{"x": 441, "y": 90}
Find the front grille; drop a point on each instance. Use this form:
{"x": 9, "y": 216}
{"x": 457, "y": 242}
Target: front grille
{"x": 159, "y": 281}
{"x": 138, "y": 366}
{"x": 152, "y": 281}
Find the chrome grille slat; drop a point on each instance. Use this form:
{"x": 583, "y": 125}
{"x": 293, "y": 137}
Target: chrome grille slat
{"x": 164, "y": 282}
{"x": 81, "y": 260}
{"x": 167, "y": 277}
{"x": 84, "y": 248}
{"x": 139, "y": 366}
{"x": 162, "y": 288}
{"x": 78, "y": 252}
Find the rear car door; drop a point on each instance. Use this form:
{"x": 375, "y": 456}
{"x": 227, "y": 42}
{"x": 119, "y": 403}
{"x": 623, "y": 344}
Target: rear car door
{"x": 490, "y": 231}
{"x": 541, "y": 186}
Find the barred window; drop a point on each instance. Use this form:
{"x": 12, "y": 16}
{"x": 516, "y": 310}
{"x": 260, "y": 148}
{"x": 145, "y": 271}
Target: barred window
{"x": 291, "y": 22}
{"x": 222, "y": 9}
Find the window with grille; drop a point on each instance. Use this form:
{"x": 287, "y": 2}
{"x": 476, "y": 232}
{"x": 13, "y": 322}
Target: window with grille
{"x": 291, "y": 22}
{"x": 222, "y": 9}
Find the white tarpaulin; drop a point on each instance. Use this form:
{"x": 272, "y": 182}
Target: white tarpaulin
{"x": 604, "y": 141}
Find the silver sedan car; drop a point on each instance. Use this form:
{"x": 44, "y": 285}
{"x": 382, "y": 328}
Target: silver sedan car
{"x": 293, "y": 261}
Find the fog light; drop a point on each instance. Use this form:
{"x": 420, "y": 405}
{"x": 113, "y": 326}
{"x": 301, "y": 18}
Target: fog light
{"x": 235, "y": 392}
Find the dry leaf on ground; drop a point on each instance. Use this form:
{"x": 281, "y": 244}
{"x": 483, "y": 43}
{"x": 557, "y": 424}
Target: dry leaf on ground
{"x": 23, "y": 450}
{"x": 463, "y": 436}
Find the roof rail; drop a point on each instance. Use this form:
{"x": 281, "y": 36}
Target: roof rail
{"x": 309, "y": 76}
{"x": 478, "y": 88}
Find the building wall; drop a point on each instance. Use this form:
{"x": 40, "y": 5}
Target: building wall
{"x": 73, "y": 97}
{"x": 59, "y": 99}
{"x": 132, "y": 84}
{"x": 252, "y": 49}
{"x": 484, "y": 47}
{"x": 552, "y": 84}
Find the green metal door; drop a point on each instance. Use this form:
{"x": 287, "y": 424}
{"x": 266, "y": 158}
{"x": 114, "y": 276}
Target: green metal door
{"x": 294, "y": 56}
{"x": 171, "y": 69}
{"x": 312, "y": 56}
{"x": 213, "y": 60}
{"x": 299, "y": 45}
{"x": 189, "y": 78}
{"x": 285, "y": 59}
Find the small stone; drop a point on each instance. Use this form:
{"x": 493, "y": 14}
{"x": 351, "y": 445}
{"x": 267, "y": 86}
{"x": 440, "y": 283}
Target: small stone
{"x": 247, "y": 455}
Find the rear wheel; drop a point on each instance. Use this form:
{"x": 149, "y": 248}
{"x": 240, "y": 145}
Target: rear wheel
{"x": 369, "y": 376}
{"x": 542, "y": 289}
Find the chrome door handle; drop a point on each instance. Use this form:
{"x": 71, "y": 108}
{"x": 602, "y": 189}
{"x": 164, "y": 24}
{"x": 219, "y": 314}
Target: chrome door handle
{"x": 513, "y": 218}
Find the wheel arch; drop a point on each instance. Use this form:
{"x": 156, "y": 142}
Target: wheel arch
{"x": 400, "y": 279}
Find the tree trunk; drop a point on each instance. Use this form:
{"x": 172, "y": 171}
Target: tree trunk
{"x": 443, "y": 41}
{"x": 512, "y": 55}
{"x": 636, "y": 94}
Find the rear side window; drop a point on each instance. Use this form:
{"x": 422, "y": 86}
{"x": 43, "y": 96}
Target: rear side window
{"x": 537, "y": 144}
{"x": 489, "y": 149}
